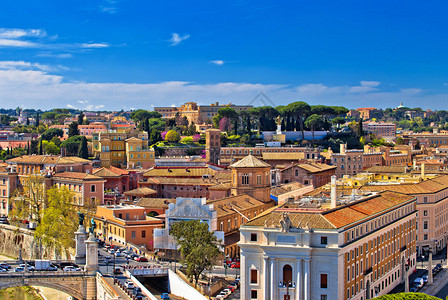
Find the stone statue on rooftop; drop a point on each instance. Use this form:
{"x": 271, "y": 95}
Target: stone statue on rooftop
{"x": 278, "y": 120}
{"x": 81, "y": 218}
{"x": 285, "y": 222}
{"x": 92, "y": 226}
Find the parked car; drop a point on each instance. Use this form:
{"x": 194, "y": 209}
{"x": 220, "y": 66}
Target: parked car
{"x": 129, "y": 284}
{"x": 419, "y": 282}
{"x": 235, "y": 264}
{"x": 165, "y": 296}
{"x": 425, "y": 278}
{"x": 71, "y": 269}
{"x": 3, "y": 270}
{"x": 29, "y": 267}
{"x": 223, "y": 295}
{"x": 19, "y": 269}
{"x": 111, "y": 251}
{"x": 231, "y": 288}
{"x": 117, "y": 271}
{"x": 118, "y": 254}
{"x": 5, "y": 266}
{"x": 108, "y": 260}
{"x": 141, "y": 259}
{"x": 4, "y": 220}
{"x": 137, "y": 291}
{"x": 227, "y": 291}
{"x": 219, "y": 297}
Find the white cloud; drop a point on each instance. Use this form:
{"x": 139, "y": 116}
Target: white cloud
{"x": 17, "y": 43}
{"x": 217, "y": 62}
{"x": 94, "y": 45}
{"x": 370, "y": 83}
{"x": 15, "y": 33}
{"x": 55, "y": 55}
{"x": 40, "y": 89}
{"x": 176, "y": 39}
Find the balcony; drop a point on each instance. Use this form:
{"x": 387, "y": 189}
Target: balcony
{"x": 403, "y": 248}
{"x": 368, "y": 271}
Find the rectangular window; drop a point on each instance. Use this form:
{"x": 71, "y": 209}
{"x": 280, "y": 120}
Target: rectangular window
{"x": 143, "y": 234}
{"x": 323, "y": 240}
{"x": 258, "y": 179}
{"x": 253, "y": 237}
{"x": 323, "y": 297}
{"x": 323, "y": 281}
{"x": 253, "y": 294}
{"x": 253, "y": 276}
{"x": 92, "y": 188}
{"x": 133, "y": 234}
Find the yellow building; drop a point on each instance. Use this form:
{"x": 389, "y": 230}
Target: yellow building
{"x": 110, "y": 147}
{"x": 138, "y": 154}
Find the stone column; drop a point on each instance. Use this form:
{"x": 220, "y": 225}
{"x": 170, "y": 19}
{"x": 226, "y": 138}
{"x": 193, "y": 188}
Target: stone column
{"x": 307, "y": 279}
{"x": 406, "y": 281}
{"x": 80, "y": 237}
{"x": 266, "y": 278}
{"x": 430, "y": 280}
{"x": 274, "y": 283}
{"x": 299, "y": 280}
{"x": 91, "y": 255}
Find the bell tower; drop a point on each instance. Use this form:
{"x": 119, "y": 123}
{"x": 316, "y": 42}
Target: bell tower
{"x": 212, "y": 145}
{"x": 250, "y": 176}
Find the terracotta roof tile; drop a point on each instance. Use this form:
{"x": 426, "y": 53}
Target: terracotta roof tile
{"x": 250, "y": 161}
{"x": 77, "y": 176}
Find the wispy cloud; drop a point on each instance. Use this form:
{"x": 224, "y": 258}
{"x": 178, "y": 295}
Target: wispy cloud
{"x": 17, "y": 43}
{"x": 108, "y": 6}
{"x": 15, "y": 33}
{"x": 36, "y": 88}
{"x": 39, "y": 39}
{"x": 370, "y": 83}
{"x": 217, "y": 62}
{"x": 22, "y": 65}
{"x": 176, "y": 39}
{"x": 94, "y": 45}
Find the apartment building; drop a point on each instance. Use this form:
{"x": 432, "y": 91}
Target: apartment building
{"x": 198, "y": 114}
{"x": 84, "y": 130}
{"x": 368, "y": 113}
{"x": 48, "y": 164}
{"x": 138, "y": 153}
{"x": 432, "y": 206}
{"x": 347, "y": 162}
{"x": 8, "y": 184}
{"x": 358, "y": 250}
{"x": 126, "y": 225}
{"x": 110, "y": 147}
{"x": 382, "y": 130}
{"x": 314, "y": 174}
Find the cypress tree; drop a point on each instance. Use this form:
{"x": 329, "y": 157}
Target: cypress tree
{"x": 41, "y": 150}
{"x": 37, "y": 120}
{"x": 83, "y": 151}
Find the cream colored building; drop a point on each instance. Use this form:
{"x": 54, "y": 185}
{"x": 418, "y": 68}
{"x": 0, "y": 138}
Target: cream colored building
{"x": 358, "y": 250}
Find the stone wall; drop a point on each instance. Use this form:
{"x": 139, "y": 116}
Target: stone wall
{"x": 13, "y": 239}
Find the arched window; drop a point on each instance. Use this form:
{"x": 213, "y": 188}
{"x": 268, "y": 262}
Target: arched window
{"x": 245, "y": 179}
{"x": 287, "y": 274}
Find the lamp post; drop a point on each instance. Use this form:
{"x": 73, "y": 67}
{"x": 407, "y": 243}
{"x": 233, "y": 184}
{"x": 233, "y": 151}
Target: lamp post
{"x": 113, "y": 271}
{"x": 406, "y": 278}
{"x": 430, "y": 279}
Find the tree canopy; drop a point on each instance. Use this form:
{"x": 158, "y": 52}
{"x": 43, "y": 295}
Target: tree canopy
{"x": 198, "y": 246}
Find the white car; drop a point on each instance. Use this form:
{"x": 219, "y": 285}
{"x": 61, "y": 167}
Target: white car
{"x": 29, "y": 267}
{"x": 118, "y": 254}
{"x": 129, "y": 284}
{"x": 3, "y": 270}
{"x": 71, "y": 269}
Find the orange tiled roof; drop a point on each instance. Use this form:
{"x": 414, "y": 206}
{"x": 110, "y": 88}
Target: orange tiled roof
{"x": 179, "y": 172}
{"x": 335, "y": 218}
{"x": 250, "y": 161}
{"x": 428, "y": 186}
{"x": 241, "y": 203}
{"x": 77, "y": 176}
{"x": 47, "y": 159}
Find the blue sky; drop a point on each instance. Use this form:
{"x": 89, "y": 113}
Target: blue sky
{"x": 123, "y": 54}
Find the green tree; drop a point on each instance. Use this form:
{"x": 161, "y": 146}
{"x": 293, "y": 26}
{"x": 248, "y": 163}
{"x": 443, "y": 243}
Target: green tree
{"x": 37, "y": 120}
{"x": 400, "y": 141}
{"x": 154, "y": 137}
{"x": 34, "y": 146}
{"x": 49, "y": 115}
{"x": 73, "y": 129}
{"x": 83, "y": 151}
{"x": 313, "y": 122}
{"x": 198, "y": 246}
{"x": 81, "y": 118}
{"x": 172, "y": 136}
{"x": 41, "y": 147}
{"x": 299, "y": 110}
{"x": 59, "y": 221}
{"x": 29, "y": 199}
{"x": 338, "y": 121}
{"x": 50, "y": 147}
{"x": 52, "y": 132}
{"x": 72, "y": 145}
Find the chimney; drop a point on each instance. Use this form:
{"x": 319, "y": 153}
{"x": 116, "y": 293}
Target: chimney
{"x": 342, "y": 148}
{"x": 423, "y": 170}
{"x": 333, "y": 192}
{"x": 414, "y": 164}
